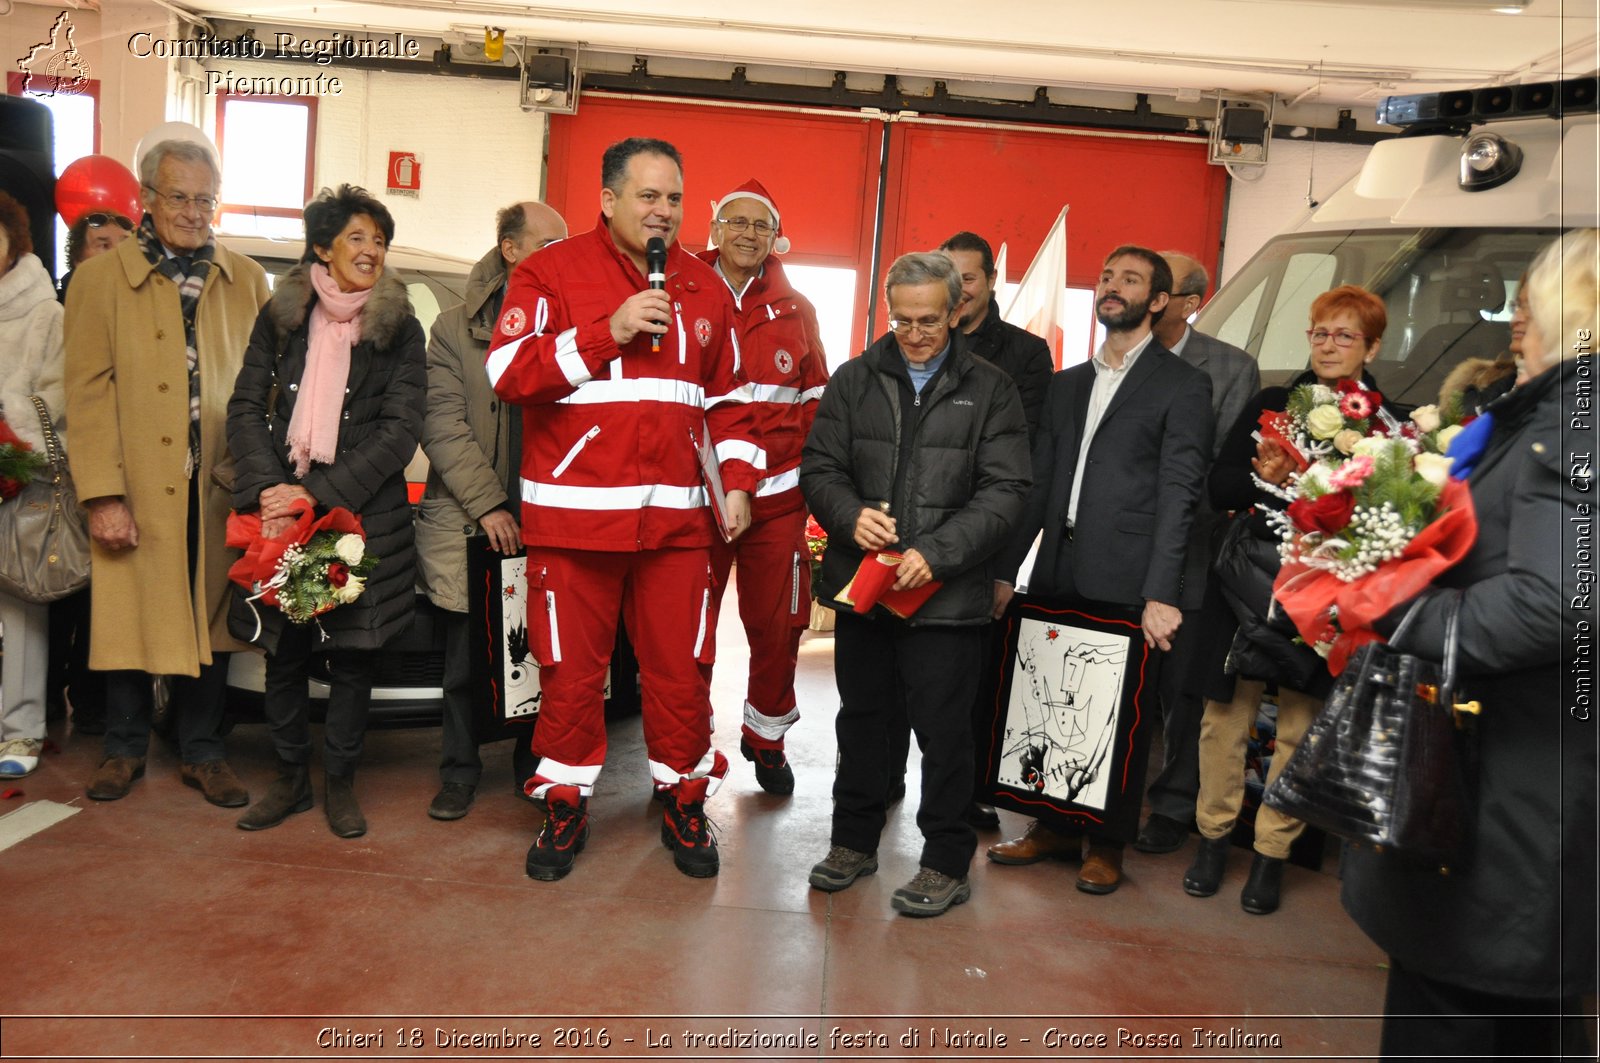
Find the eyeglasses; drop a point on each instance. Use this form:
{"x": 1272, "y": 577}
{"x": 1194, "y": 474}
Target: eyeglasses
{"x": 925, "y": 327}
{"x": 1342, "y": 338}
{"x": 739, "y": 225}
{"x": 98, "y": 220}
{"x": 180, "y": 202}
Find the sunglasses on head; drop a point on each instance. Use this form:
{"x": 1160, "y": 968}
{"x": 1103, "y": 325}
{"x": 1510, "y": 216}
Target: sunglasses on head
{"x": 98, "y": 220}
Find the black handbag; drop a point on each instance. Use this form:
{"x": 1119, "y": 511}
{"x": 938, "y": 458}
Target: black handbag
{"x": 1389, "y": 759}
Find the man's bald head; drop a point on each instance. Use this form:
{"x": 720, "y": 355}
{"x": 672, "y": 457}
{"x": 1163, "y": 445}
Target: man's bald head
{"x": 524, "y": 228}
{"x": 1189, "y": 277}
{"x": 1189, "y": 283}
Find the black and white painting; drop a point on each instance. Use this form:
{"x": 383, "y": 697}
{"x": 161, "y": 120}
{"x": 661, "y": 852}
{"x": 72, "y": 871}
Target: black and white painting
{"x": 1066, "y": 730}
{"x": 1061, "y": 720}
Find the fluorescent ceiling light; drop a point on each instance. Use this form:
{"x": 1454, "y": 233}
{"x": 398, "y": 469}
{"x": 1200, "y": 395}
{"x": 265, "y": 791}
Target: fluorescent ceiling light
{"x": 1501, "y": 7}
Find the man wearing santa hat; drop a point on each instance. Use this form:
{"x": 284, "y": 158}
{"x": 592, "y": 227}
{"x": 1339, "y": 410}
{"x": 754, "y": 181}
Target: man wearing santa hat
{"x": 783, "y": 360}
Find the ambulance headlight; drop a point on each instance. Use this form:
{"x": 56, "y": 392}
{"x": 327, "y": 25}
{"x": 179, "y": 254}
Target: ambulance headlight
{"x": 1488, "y": 160}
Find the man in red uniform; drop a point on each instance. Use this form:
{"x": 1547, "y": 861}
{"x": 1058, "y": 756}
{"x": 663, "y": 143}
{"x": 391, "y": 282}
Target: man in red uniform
{"x": 617, "y": 381}
{"x": 781, "y": 348}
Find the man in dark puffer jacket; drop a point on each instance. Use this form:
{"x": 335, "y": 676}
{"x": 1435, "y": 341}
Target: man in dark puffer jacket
{"x": 920, "y": 448}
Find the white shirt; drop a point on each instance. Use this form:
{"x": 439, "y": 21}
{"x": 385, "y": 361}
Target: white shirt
{"x": 1106, "y": 382}
{"x": 1183, "y": 341}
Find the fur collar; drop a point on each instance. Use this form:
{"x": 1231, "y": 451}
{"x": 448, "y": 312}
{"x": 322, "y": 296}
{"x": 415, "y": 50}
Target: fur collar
{"x": 386, "y": 309}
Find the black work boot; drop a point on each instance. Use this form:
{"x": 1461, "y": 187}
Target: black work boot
{"x": 344, "y": 814}
{"x": 561, "y": 839}
{"x": 1261, "y": 889}
{"x": 1205, "y": 874}
{"x": 773, "y": 773}
{"x": 289, "y": 793}
{"x": 685, "y": 831}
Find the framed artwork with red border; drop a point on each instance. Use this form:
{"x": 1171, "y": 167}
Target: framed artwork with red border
{"x": 1073, "y": 711}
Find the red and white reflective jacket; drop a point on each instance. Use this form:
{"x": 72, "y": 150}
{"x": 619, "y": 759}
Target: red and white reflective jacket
{"x": 781, "y": 351}
{"x": 607, "y": 461}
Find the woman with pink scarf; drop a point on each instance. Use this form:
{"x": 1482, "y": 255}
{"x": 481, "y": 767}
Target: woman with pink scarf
{"x": 327, "y": 410}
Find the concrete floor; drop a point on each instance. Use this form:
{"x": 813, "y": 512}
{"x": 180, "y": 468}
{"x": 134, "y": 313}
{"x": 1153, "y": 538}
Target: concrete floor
{"x": 152, "y": 928}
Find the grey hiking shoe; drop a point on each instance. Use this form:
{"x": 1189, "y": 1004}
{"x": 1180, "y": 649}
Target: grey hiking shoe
{"x": 930, "y": 892}
{"x": 840, "y": 868}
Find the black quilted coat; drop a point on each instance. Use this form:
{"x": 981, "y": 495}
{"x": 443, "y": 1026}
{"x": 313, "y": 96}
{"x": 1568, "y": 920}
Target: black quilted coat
{"x": 378, "y": 434}
{"x": 956, "y": 483}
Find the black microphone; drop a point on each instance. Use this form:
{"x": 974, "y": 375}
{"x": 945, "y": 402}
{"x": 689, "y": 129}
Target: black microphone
{"x": 655, "y": 260}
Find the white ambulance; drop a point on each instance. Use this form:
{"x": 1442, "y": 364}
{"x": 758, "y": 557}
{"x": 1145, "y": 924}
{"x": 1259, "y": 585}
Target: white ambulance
{"x": 1440, "y": 221}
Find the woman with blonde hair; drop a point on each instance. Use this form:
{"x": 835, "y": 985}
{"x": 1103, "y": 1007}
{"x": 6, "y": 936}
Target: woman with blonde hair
{"x": 1492, "y": 959}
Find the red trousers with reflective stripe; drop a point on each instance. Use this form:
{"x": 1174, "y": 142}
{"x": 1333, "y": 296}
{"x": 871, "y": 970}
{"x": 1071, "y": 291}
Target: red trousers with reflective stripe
{"x": 775, "y": 605}
{"x": 664, "y": 596}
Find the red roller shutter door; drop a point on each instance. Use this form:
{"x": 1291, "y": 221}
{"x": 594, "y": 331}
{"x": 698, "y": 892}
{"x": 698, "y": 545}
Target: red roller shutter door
{"x": 1008, "y": 186}
{"x": 821, "y": 170}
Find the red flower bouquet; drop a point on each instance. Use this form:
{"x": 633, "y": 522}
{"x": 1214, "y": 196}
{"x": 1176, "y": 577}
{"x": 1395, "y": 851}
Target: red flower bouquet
{"x": 316, "y": 565}
{"x": 19, "y": 463}
{"x": 1364, "y": 535}
{"x": 816, "y": 548}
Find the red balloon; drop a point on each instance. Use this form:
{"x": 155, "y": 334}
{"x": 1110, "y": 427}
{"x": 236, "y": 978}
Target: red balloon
{"x": 97, "y": 182}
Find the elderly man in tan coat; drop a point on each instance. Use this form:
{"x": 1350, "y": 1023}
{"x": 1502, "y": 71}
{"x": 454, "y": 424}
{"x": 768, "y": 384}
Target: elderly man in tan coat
{"x": 155, "y": 332}
{"x": 471, "y": 439}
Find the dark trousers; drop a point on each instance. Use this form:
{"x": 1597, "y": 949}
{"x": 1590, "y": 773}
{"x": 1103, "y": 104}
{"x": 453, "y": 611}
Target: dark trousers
{"x": 459, "y": 760}
{"x": 196, "y": 702}
{"x": 288, "y": 700}
{"x": 196, "y": 705}
{"x": 1428, "y": 1019}
{"x": 880, "y": 665}
{"x": 1173, "y": 791}
{"x": 991, "y": 649}
{"x": 69, "y": 659}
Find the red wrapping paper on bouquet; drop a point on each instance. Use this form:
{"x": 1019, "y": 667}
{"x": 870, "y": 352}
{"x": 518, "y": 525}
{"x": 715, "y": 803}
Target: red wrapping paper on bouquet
{"x": 1309, "y": 595}
{"x": 260, "y": 561}
{"x": 1273, "y": 423}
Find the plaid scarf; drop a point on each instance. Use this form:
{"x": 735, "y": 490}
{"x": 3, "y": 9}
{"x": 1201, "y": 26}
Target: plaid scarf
{"x": 189, "y": 287}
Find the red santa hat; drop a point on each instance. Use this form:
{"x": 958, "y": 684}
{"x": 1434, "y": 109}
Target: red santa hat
{"x": 752, "y": 189}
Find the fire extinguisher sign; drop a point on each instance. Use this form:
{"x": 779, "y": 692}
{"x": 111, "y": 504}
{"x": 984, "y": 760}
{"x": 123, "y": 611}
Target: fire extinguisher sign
{"x": 405, "y": 173}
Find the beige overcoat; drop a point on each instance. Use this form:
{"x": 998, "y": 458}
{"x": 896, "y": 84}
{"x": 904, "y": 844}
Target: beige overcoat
{"x": 128, "y": 406}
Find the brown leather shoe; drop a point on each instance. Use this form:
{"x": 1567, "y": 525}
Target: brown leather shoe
{"x": 1038, "y": 842}
{"x": 1102, "y": 868}
{"x": 114, "y": 778}
{"x": 217, "y": 781}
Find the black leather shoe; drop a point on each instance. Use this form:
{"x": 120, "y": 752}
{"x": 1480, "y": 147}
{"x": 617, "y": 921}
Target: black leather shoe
{"x": 1261, "y": 889}
{"x": 1205, "y": 874}
{"x": 452, "y": 800}
{"x": 982, "y": 817}
{"x": 1161, "y": 834}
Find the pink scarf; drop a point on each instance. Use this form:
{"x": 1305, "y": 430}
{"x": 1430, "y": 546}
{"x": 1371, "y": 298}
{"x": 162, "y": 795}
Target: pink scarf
{"x": 335, "y": 328}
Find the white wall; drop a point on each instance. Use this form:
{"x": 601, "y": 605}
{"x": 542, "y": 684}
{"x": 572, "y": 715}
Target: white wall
{"x": 479, "y": 150}
{"x": 1258, "y": 210}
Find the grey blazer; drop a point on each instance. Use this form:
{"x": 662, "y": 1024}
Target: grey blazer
{"x": 1235, "y": 377}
